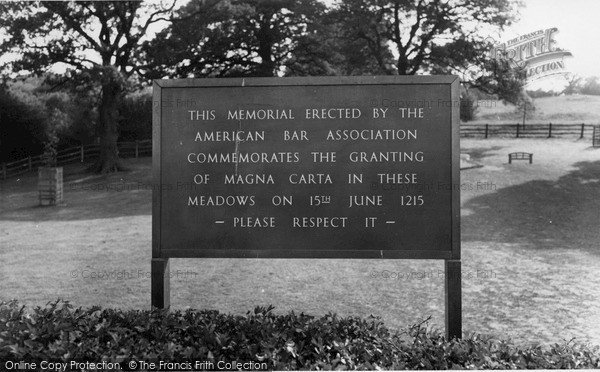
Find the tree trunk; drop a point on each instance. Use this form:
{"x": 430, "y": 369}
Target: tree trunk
{"x": 108, "y": 114}
{"x": 265, "y": 48}
{"x": 402, "y": 64}
{"x": 267, "y": 65}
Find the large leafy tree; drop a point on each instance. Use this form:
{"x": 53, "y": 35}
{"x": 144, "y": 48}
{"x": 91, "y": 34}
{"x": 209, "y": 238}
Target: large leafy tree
{"x": 236, "y": 38}
{"x": 573, "y": 84}
{"x": 407, "y": 37}
{"x": 353, "y": 37}
{"x": 97, "y": 42}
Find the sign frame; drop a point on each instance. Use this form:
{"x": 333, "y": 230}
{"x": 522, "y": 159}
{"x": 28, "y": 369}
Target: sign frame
{"x": 159, "y": 85}
{"x": 452, "y": 258}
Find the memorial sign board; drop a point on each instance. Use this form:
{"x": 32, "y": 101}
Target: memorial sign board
{"x": 328, "y": 167}
{"x": 306, "y": 167}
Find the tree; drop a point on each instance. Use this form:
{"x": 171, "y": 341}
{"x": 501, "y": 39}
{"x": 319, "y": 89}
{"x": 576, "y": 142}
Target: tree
{"x": 591, "y": 86}
{"x": 498, "y": 77}
{"x": 233, "y": 38}
{"x": 324, "y": 51}
{"x": 407, "y": 37}
{"x": 525, "y": 107}
{"x": 573, "y": 84}
{"x": 98, "y": 42}
{"x": 22, "y": 124}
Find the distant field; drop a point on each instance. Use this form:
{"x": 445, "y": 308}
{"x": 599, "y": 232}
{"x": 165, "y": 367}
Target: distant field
{"x": 575, "y": 109}
{"x": 529, "y": 233}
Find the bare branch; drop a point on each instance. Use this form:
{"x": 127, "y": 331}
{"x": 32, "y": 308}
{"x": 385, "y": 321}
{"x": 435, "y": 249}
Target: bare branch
{"x": 152, "y": 20}
{"x": 70, "y": 22}
{"x": 415, "y": 27}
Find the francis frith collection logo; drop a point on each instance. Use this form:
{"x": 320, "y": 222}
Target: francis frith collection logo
{"x": 536, "y": 51}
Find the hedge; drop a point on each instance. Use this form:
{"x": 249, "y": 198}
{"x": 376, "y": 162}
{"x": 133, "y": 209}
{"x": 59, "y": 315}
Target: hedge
{"x": 60, "y": 332}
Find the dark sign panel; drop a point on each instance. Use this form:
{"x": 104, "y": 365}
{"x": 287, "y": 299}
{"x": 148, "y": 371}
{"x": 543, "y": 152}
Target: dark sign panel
{"x": 306, "y": 167}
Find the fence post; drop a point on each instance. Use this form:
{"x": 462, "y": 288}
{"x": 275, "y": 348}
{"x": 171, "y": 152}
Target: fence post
{"x": 517, "y": 130}
{"x": 29, "y": 162}
{"x": 82, "y": 152}
{"x": 550, "y": 130}
{"x": 4, "y": 171}
{"x": 137, "y": 146}
{"x": 582, "y": 130}
{"x": 486, "y": 130}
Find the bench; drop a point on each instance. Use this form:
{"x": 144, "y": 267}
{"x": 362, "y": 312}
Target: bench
{"x": 520, "y": 156}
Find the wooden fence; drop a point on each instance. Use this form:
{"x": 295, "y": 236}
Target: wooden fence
{"x": 75, "y": 154}
{"x": 596, "y": 136}
{"x": 549, "y": 130}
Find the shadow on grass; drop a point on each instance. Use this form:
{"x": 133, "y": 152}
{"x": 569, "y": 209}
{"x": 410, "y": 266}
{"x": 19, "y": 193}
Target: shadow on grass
{"x": 542, "y": 214}
{"x": 86, "y": 195}
{"x": 479, "y": 153}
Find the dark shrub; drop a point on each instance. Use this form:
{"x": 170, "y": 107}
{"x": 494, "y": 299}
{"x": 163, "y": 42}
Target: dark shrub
{"x": 468, "y": 107}
{"x": 135, "y": 117}
{"x": 59, "y": 332}
{"x": 22, "y": 126}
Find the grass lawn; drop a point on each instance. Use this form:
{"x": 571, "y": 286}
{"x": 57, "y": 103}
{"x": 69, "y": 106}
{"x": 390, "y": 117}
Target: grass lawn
{"x": 574, "y": 109}
{"x": 530, "y": 251}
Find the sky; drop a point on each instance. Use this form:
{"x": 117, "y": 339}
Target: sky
{"x": 578, "y": 26}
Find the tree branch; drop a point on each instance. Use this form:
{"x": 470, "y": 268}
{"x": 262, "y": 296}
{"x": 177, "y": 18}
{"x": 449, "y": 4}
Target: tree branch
{"x": 415, "y": 27}
{"x": 70, "y": 22}
{"x": 151, "y": 19}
